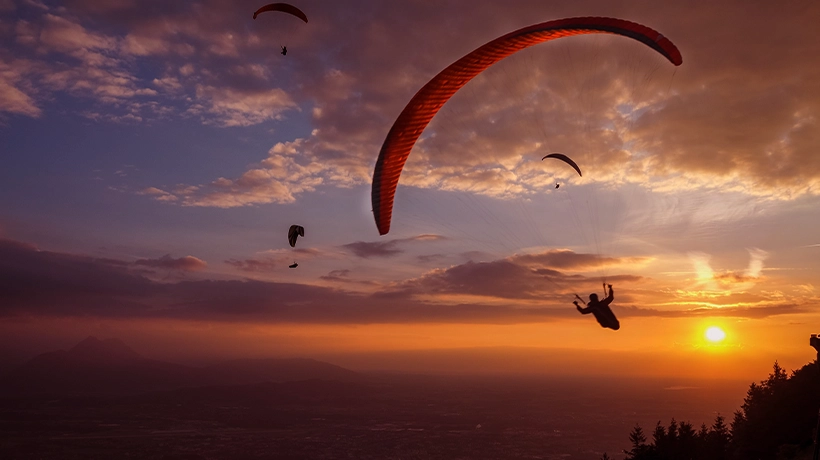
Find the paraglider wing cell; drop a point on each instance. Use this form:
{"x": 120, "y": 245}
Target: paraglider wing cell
{"x": 565, "y": 159}
{"x": 295, "y": 232}
{"x": 431, "y": 97}
{"x": 284, "y": 8}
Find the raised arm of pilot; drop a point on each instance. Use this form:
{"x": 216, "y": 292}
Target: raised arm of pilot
{"x": 583, "y": 311}
{"x": 609, "y": 298}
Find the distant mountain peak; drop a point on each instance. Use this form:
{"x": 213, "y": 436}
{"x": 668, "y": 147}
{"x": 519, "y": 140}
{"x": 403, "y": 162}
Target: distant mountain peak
{"x": 109, "y": 367}
{"x": 89, "y": 341}
{"x": 95, "y": 349}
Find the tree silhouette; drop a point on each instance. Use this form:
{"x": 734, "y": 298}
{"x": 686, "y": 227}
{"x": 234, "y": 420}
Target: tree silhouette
{"x": 680, "y": 441}
{"x": 777, "y": 413}
{"x": 716, "y": 440}
{"x": 775, "y": 422}
{"x": 638, "y": 440}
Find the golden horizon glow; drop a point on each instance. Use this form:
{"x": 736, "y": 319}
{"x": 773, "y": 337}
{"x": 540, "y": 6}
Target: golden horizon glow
{"x": 715, "y": 334}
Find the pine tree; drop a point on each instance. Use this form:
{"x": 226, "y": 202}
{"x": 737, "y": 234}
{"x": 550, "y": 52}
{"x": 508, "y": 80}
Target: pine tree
{"x": 773, "y": 414}
{"x": 686, "y": 441}
{"x": 639, "y": 449}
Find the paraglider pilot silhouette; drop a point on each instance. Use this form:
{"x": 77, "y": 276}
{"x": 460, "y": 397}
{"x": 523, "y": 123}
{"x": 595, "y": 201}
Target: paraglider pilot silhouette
{"x": 282, "y": 8}
{"x": 600, "y": 309}
{"x": 294, "y": 232}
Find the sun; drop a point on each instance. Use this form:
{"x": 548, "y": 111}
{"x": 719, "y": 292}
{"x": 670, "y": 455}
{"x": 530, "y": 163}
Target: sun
{"x": 715, "y": 334}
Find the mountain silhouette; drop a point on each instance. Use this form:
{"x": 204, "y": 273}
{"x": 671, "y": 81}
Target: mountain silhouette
{"x": 110, "y": 350}
{"x": 109, "y": 367}
{"x": 280, "y": 370}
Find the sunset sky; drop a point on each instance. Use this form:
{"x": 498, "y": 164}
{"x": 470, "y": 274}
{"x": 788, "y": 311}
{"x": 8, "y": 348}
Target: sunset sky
{"x": 153, "y": 155}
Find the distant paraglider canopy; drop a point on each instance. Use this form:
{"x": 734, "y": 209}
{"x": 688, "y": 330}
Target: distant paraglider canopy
{"x": 565, "y": 159}
{"x": 293, "y": 265}
{"x": 284, "y": 8}
{"x": 295, "y": 232}
{"x": 421, "y": 109}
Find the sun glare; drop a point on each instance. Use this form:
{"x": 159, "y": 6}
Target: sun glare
{"x": 715, "y": 334}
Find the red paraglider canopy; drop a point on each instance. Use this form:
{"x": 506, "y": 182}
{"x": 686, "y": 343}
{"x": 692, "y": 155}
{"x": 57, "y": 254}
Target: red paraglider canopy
{"x": 431, "y": 97}
{"x": 283, "y": 7}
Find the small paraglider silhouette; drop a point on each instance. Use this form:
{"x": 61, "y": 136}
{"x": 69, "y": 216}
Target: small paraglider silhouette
{"x": 565, "y": 159}
{"x": 282, "y": 8}
{"x": 294, "y": 232}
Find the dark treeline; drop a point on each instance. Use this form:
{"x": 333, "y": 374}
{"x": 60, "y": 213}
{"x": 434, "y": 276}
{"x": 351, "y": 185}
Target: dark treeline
{"x": 775, "y": 422}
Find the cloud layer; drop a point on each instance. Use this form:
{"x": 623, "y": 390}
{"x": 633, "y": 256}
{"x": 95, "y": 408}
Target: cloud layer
{"x": 519, "y": 289}
{"x": 739, "y": 115}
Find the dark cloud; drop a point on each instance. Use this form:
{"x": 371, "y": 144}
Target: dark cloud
{"x": 522, "y": 277}
{"x": 344, "y": 277}
{"x": 253, "y": 265}
{"x": 569, "y": 260}
{"x": 428, "y": 258}
{"x": 496, "y": 279}
{"x": 276, "y": 259}
{"x": 337, "y": 275}
{"x": 45, "y": 283}
{"x": 390, "y": 248}
{"x": 374, "y": 249}
{"x": 187, "y": 263}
